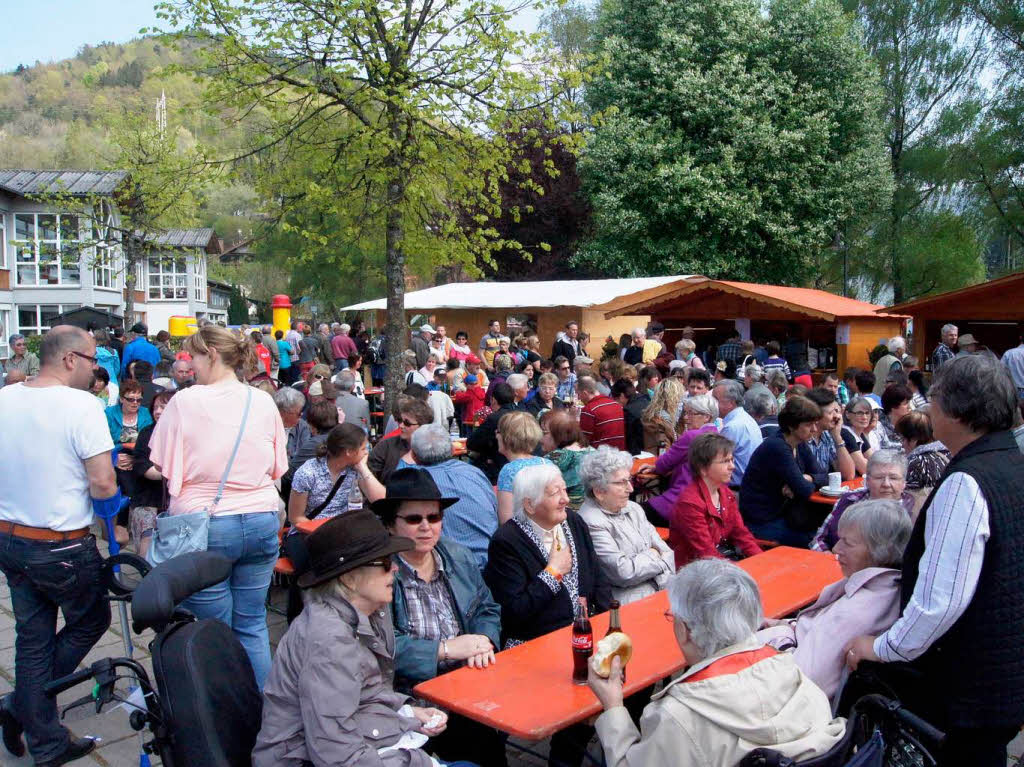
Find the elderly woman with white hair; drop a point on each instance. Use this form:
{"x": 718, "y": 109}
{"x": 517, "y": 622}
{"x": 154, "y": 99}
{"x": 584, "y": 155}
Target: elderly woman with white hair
{"x": 686, "y": 351}
{"x": 635, "y": 560}
{"x": 885, "y": 478}
{"x": 543, "y": 571}
{"x": 872, "y": 536}
{"x": 736, "y": 695}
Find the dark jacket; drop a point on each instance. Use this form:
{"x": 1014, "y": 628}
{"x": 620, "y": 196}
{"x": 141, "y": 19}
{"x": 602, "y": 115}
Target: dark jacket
{"x": 772, "y": 467}
{"x": 564, "y": 348}
{"x": 484, "y": 443}
{"x": 422, "y": 349}
{"x": 633, "y": 412}
{"x": 146, "y": 492}
{"x": 324, "y": 352}
{"x": 535, "y": 405}
{"x": 529, "y": 608}
{"x": 385, "y": 456}
{"x": 979, "y": 663}
{"x": 478, "y": 613}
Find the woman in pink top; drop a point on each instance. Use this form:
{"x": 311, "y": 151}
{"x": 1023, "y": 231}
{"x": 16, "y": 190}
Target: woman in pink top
{"x": 191, "y": 446}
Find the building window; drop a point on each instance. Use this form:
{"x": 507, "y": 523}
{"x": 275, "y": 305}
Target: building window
{"x": 47, "y": 249}
{"x": 168, "y": 279}
{"x": 34, "y": 319}
{"x": 3, "y": 240}
{"x": 104, "y": 271}
{"x": 199, "y": 278}
{"x": 5, "y": 331}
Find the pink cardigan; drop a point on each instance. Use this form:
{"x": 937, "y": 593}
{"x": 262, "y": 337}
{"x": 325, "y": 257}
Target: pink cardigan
{"x": 868, "y": 602}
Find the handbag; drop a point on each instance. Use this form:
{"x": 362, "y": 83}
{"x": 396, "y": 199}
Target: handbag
{"x": 184, "y": 533}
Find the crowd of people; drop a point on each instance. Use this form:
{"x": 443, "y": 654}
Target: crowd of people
{"x": 425, "y": 563}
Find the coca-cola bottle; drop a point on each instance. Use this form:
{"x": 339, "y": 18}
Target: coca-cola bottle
{"x": 615, "y": 624}
{"x": 582, "y": 643}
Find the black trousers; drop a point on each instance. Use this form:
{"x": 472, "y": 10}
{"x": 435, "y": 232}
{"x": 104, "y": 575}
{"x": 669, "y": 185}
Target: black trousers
{"x": 974, "y": 746}
{"x": 471, "y": 741}
{"x": 44, "y": 577}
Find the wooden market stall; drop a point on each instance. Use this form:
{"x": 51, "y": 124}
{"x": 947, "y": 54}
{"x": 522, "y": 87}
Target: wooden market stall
{"x": 545, "y": 306}
{"x": 992, "y": 312}
{"x": 842, "y": 330}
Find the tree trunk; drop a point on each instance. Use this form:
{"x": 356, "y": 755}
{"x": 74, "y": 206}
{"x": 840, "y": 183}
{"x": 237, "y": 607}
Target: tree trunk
{"x": 397, "y": 330}
{"x": 131, "y": 259}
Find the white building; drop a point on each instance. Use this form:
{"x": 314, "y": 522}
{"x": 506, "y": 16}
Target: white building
{"x": 52, "y": 262}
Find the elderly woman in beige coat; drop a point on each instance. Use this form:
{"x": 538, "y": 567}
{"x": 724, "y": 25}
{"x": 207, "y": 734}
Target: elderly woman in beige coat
{"x": 634, "y": 558}
{"x": 737, "y": 694}
{"x": 329, "y": 699}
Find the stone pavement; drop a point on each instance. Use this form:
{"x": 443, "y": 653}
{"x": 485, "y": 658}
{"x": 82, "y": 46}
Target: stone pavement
{"x": 119, "y": 745}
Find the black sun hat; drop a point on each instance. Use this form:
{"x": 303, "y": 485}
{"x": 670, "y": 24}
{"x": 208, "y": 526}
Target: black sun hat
{"x": 410, "y": 485}
{"x": 346, "y": 542}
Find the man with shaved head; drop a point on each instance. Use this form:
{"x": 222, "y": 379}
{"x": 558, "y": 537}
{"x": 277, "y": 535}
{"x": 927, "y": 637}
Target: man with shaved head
{"x": 56, "y": 474}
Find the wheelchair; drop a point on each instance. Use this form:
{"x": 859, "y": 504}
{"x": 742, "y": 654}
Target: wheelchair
{"x": 205, "y": 708}
{"x": 879, "y": 733}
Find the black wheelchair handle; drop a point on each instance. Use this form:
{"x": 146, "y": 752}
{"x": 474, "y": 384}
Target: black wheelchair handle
{"x": 932, "y": 735}
{"x": 58, "y": 686}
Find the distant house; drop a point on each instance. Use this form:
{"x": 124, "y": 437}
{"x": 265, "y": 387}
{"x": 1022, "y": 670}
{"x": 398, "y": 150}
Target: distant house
{"x": 218, "y": 301}
{"x": 48, "y": 259}
{"x": 53, "y": 262}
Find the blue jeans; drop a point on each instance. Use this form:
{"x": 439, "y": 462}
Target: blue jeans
{"x": 250, "y": 542}
{"x": 777, "y": 530}
{"x": 44, "y": 576}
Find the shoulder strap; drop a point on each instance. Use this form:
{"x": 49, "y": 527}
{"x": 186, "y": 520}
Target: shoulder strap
{"x": 330, "y": 496}
{"x": 234, "y": 450}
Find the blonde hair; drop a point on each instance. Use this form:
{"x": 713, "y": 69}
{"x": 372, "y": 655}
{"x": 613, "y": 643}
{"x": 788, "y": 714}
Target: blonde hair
{"x": 237, "y": 353}
{"x": 667, "y": 398}
{"x": 547, "y": 379}
{"x": 520, "y": 432}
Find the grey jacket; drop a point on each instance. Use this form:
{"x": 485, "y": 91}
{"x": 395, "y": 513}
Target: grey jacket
{"x": 356, "y": 410}
{"x": 329, "y": 699}
{"x": 635, "y": 560}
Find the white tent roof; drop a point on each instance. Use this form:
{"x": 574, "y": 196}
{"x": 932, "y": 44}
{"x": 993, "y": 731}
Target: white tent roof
{"x": 483, "y": 295}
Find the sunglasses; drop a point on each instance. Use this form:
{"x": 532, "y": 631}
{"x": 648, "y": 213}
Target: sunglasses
{"x": 83, "y": 356}
{"x": 407, "y": 422}
{"x": 414, "y": 519}
{"x": 133, "y": 400}
{"x": 384, "y": 562}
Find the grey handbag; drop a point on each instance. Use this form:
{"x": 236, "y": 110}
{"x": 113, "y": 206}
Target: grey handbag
{"x": 185, "y": 533}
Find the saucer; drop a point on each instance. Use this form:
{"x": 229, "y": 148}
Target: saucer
{"x": 833, "y": 493}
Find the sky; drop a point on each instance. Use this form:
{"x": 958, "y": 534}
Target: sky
{"x": 50, "y": 30}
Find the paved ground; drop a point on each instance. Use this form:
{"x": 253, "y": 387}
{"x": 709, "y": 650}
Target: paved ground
{"x": 119, "y": 745}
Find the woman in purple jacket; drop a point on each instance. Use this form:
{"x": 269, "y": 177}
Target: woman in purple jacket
{"x": 699, "y": 414}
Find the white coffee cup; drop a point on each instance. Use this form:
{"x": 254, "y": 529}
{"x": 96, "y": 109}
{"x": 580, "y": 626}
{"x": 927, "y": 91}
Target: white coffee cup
{"x": 835, "y": 481}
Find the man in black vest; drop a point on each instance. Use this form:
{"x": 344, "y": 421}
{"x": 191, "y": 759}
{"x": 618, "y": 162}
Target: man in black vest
{"x": 955, "y": 656}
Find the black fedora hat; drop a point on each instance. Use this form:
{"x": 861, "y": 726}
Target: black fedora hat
{"x": 410, "y": 485}
{"x": 346, "y": 542}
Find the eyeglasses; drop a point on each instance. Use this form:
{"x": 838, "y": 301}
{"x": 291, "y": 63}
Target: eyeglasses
{"x": 893, "y": 478}
{"x": 85, "y": 357}
{"x": 407, "y": 422}
{"x": 859, "y": 412}
{"x": 384, "y": 562}
{"x": 414, "y": 519}
{"x": 622, "y": 482}
{"x": 133, "y": 400}
{"x": 564, "y": 367}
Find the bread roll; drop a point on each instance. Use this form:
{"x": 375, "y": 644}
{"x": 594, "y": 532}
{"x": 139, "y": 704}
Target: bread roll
{"x": 614, "y": 645}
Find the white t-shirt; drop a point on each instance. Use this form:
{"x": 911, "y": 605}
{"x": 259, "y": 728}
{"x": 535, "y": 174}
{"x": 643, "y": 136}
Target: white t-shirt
{"x": 442, "y": 406}
{"x": 48, "y": 433}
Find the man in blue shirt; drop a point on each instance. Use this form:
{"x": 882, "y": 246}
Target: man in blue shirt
{"x": 474, "y": 518}
{"x": 139, "y": 348}
{"x": 737, "y": 425}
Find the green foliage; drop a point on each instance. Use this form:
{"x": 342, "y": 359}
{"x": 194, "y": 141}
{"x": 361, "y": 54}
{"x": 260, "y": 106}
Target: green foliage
{"x": 733, "y": 142}
{"x": 238, "y": 309}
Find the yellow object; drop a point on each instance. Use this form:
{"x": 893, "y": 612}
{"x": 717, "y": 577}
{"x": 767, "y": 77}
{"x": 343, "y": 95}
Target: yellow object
{"x": 182, "y": 326}
{"x": 281, "y": 308}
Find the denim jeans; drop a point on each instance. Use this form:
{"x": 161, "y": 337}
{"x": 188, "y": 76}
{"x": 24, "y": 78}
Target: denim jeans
{"x": 250, "y": 542}
{"x": 44, "y": 576}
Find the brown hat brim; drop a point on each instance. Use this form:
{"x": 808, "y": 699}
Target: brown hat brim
{"x": 394, "y": 545}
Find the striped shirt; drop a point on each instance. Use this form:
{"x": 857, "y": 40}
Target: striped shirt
{"x": 781, "y": 364}
{"x": 431, "y": 612}
{"x": 956, "y": 531}
{"x": 603, "y": 423}
{"x": 940, "y": 356}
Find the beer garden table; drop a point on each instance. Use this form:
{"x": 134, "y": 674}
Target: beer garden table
{"x": 854, "y": 484}
{"x": 529, "y": 692}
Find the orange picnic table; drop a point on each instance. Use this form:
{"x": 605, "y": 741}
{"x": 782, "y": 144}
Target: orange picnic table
{"x": 529, "y": 692}
{"x": 854, "y": 484}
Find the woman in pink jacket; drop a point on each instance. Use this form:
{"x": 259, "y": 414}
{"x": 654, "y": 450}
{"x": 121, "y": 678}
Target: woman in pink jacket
{"x": 872, "y": 536}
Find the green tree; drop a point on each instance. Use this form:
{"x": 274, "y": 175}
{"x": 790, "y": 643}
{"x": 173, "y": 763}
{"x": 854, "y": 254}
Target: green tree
{"x": 393, "y": 105}
{"x": 929, "y": 58}
{"x": 732, "y": 141}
